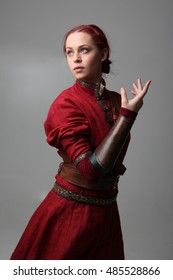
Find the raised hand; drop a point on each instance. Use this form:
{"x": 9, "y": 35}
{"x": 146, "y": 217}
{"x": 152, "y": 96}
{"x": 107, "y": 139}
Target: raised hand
{"x": 138, "y": 92}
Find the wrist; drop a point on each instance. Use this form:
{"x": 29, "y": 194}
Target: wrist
{"x": 128, "y": 113}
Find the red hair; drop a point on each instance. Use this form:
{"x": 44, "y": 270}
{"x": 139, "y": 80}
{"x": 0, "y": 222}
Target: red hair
{"x": 98, "y": 38}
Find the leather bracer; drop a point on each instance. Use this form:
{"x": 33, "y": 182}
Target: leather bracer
{"x": 106, "y": 154}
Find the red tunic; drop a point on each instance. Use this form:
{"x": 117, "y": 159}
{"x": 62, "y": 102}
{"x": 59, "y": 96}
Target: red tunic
{"x": 61, "y": 228}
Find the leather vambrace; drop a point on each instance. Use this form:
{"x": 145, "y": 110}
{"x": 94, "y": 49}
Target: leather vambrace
{"x": 106, "y": 154}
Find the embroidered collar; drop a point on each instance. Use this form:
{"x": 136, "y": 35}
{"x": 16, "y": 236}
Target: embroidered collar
{"x": 98, "y": 87}
{"x": 98, "y": 91}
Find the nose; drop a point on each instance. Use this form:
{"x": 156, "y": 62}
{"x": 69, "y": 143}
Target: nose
{"x": 77, "y": 57}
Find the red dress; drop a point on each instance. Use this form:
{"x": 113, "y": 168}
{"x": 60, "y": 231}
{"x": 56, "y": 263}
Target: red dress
{"x": 62, "y": 229}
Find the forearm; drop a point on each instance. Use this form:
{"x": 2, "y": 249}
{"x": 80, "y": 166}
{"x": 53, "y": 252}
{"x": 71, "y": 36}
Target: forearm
{"x": 106, "y": 154}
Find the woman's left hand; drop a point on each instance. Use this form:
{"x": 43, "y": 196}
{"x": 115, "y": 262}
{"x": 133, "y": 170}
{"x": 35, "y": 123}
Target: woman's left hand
{"x": 139, "y": 92}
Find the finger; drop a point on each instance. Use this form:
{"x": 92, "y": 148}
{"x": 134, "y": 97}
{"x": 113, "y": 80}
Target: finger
{"x": 134, "y": 92}
{"x": 124, "y": 97}
{"x": 135, "y": 87}
{"x": 139, "y": 84}
{"x": 146, "y": 86}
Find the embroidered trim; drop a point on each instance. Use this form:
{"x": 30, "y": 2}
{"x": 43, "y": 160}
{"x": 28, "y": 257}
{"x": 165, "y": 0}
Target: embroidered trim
{"x": 80, "y": 198}
{"x": 100, "y": 85}
{"x": 99, "y": 89}
{"x": 82, "y": 156}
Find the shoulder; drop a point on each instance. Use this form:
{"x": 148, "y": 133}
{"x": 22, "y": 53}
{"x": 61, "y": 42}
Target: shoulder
{"x": 66, "y": 100}
{"x": 64, "y": 106}
{"x": 63, "y": 96}
{"x": 114, "y": 97}
{"x": 115, "y": 93}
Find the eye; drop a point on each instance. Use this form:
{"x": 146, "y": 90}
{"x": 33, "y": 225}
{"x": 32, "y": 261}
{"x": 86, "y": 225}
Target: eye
{"x": 84, "y": 50}
{"x": 69, "y": 52}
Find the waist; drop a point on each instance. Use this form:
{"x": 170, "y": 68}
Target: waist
{"x": 85, "y": 196}
{"x": 71, "y": 174}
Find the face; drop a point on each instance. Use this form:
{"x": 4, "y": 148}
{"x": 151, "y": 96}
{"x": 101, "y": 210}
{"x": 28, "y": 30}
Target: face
{"x": 83, "y": 57}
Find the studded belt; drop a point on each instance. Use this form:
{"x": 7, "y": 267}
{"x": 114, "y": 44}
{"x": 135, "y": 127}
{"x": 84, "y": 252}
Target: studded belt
{"x": 81, "y": 198}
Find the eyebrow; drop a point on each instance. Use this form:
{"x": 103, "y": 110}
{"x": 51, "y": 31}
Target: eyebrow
{"x": 85, "y": 45}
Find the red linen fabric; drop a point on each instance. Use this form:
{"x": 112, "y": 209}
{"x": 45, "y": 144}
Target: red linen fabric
{"x": 61, "y": 229}
{"x": 64, "y": 229}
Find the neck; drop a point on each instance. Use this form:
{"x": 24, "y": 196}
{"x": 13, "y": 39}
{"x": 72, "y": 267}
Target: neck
{"x": 98, "y": 87}
{"x": 92, "y": 84}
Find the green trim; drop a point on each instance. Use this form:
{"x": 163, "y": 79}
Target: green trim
{"x": 97, "y": 166}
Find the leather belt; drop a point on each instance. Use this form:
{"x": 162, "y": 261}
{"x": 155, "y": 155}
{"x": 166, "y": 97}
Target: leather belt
{"x": 81, "y": 198}
{"x": 71, "y": 174}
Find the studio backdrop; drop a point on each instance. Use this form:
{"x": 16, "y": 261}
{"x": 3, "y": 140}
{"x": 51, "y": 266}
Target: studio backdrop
{"x": 33, "y": 71}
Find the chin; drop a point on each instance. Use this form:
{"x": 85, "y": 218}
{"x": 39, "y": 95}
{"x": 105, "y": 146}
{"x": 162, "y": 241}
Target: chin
{"x": 80, "y": 76}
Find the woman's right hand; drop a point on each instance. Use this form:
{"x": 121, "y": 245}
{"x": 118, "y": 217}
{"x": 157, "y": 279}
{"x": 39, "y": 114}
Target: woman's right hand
{"x": 138, "y": 92}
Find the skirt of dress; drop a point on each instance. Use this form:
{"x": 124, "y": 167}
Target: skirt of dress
{"x": 62, "y": 229}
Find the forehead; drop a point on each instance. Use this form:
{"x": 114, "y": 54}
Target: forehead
{"x": 77, "y": 39}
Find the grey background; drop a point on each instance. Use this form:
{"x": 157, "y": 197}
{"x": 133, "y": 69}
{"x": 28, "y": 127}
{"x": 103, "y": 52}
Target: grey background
{"x": 34, "y": 72}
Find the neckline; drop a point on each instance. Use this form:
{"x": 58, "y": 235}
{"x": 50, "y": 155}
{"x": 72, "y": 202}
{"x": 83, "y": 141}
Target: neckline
{"x": 87, "y": 84}
{"x": 98, "y": 87}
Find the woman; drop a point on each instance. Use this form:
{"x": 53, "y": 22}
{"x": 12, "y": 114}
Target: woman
{"x": 90, "y": 127}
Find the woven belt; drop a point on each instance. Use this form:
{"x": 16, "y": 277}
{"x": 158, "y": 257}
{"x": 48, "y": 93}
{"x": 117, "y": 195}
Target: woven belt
{"x": 81, "y": 198}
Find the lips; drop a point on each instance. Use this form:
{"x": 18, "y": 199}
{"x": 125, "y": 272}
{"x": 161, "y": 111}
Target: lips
{"x": 78, "y": 68}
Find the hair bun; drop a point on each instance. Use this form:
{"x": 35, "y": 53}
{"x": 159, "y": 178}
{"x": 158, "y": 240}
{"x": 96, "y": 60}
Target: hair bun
{"x": 106, "y": 65}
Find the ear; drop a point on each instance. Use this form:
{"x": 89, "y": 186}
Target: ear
{"x": 104, "y": 54}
